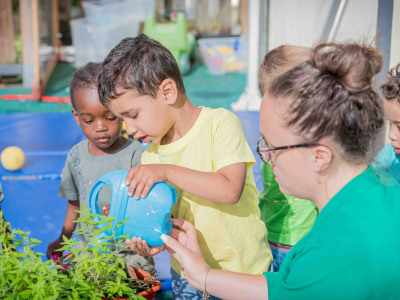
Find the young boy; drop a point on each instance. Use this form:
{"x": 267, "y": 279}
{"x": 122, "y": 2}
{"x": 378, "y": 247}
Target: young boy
{"x": 388, "y": 158}
{"x": 104, "y": 150}
{"x": 287, "y": 218}
{"x": 201, "y": 151}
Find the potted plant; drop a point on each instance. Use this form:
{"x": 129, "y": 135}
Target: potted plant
{"x": 93, "y": 271}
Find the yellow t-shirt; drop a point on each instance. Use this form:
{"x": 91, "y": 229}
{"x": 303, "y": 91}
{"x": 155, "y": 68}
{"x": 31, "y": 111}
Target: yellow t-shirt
{"x": 232, "y": 237}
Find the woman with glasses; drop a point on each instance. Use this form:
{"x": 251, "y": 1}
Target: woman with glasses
{"x": 321, "y": 124}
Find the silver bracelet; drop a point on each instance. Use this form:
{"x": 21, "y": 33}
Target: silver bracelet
{"x": 205, "y": 295}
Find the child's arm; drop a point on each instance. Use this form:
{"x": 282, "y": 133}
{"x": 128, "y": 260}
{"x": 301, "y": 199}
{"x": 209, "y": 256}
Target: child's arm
{"x": 68, "y": 227}
{"x": 224, "y": 186}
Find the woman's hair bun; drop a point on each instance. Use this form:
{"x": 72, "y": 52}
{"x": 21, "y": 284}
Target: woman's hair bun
{"x": 351, "y": 65}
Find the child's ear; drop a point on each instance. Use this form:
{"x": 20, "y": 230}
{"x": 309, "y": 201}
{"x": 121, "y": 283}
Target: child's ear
{"x": 168, "y": 91}
{"x": 75, "y": 114}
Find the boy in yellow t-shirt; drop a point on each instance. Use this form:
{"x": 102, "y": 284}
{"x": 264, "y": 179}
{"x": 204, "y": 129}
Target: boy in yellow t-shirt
{"x": 201, "y": 151}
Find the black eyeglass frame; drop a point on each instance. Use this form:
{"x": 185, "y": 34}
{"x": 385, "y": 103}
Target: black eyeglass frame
{"x": 268, "y": 150}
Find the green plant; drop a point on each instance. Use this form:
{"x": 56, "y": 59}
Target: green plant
{"x": 93, "y": 271}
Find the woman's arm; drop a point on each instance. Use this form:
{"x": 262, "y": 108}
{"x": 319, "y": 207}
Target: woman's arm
{"x": 231, "y": 285}
{"x": 222, "y": 284}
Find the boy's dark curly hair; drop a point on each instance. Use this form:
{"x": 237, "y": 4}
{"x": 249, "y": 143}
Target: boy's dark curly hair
{"x": 85, "y": 77}
{"x": 140, "y": 64}
{"x": 391, "y": 88}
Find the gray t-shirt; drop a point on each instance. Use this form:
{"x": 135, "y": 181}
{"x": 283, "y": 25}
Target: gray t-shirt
{"x": 82, "y": 170}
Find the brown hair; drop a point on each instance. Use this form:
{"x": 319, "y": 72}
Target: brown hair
{"x": 391, "y": 88}
{"x": 332, "y": 96}
{"x": 278, "y": 61}
{"x": 85, "y": 77}
{"x": 140, "y": 64}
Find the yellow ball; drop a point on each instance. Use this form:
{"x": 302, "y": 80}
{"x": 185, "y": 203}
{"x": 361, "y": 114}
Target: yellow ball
{"x": 12, "y": 158}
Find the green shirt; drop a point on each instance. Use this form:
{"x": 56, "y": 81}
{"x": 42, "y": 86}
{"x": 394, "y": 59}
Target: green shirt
{"x": 287, "y": 218}
{"x": 353, "y": 249}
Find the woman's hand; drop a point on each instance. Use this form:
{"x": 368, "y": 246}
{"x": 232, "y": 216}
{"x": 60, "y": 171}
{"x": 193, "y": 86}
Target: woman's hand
{"x": 185, "y": 248}
{"x": 139, "y": 246}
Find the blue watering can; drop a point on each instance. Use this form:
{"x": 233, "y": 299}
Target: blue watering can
{"x": 148, "y": 217}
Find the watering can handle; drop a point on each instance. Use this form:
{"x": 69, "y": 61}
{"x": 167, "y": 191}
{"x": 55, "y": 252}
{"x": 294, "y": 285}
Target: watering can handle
{"x": 94, "y": 197}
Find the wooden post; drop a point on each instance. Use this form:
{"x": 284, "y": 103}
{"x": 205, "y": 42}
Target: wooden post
{"x": 36, "y": 43}
{"x": 7, "y": 50}
{"x": 202, "y": 16}
{"x": 51, "y": 64}
{"x": 32, "y": 75}
{"x": 30, "y": 42}
{"x": 243, "y": 15}
{"x": 55, "y": 26}
{"x": 225, "y": 16}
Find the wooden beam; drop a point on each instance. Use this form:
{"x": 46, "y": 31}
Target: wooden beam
{"x": 48, "y": 70}
{"x": 202, "y": 18}
{"x": 243, "y": 16}
{"x": 55, "y": 26}
{"x": 33, "y": 76}
{"x": 36, "y": 44}
{"x": 225, "y": 16}
{"x": 7, "y": 49}
{"x": 30, "y": 43}
{"x": 52, "y": 62}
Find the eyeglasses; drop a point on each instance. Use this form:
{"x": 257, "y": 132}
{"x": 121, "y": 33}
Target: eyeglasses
{"x": 265, "y": 151}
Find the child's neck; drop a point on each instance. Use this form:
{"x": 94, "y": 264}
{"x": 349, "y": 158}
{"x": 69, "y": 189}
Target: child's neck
{"x": 186, "y": 114}
{"x": 96, "y": 151}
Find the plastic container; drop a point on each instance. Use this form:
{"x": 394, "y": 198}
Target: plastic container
{"x": 105, "y": 13}
{"x": 83, "y": 45}
{"x": 148, "y": 218}
{"x": 94, "y": 42}
{"x": 106, "y": 23}
{"x": 224, "y": 55}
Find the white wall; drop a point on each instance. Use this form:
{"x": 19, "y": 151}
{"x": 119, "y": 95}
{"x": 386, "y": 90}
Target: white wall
{"x": 395, "y": 46}
{"x": 301, "y": 22}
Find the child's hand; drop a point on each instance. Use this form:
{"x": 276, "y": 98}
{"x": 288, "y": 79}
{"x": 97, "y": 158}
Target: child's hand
{"x": 53, "y": 247}
{"x": 105, "y": 209}
{"x": 141, "y": 178}
{"x": 139, "y": 246}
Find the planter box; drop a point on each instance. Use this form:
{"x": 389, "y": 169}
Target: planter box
{"x": 150, "y": 293}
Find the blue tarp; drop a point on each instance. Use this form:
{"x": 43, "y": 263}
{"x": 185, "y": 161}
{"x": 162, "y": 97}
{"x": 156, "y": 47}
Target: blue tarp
{"x": 31, "y": 201}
